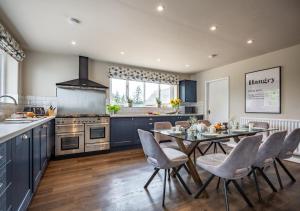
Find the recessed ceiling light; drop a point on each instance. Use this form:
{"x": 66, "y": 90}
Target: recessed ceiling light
{"x": 213, "y": 28}
{"x": 249, "y": 41}
{"x": 73, "y": 42}
{"x": 212, "y": 56}
{"x": 187, "y": 65}
{"x": 158, "y": 59}
{"x": 160, "y": 8}
{"x": 122, "y": 52}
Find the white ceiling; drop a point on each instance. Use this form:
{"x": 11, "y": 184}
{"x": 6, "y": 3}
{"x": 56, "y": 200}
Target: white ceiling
{"x": 178, "y": 36}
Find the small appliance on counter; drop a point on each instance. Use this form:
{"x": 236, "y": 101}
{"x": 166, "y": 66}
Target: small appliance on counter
{"x": 38, "y": 111}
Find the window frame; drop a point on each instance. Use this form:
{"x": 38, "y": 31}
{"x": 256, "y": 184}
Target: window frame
{"x": 174, "y": 92}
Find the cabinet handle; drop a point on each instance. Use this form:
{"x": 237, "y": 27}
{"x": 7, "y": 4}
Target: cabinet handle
{"x": 150, "y": 119}
{"x": 45, "y": 126}
{"x": 24, "y": 136}
{"x": 150, "y": 123}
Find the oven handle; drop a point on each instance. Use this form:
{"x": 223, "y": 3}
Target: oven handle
{"x": 68, "y": 134}
{"x": 97, "y": 124}
{"x": 68, "y": 125}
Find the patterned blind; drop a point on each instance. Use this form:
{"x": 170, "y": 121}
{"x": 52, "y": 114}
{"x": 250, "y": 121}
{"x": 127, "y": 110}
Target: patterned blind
{"x": 10, "y": 45}
{"x": 135, "y": 74}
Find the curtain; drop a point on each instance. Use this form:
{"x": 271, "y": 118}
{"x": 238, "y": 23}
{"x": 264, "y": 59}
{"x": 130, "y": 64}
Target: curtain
{"x": 10, "y": 45}
{"x": 135, "y": 74}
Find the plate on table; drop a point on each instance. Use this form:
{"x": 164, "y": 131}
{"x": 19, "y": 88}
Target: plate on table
{"x": 240, "y": 130}
{"x": 210, "y": 134}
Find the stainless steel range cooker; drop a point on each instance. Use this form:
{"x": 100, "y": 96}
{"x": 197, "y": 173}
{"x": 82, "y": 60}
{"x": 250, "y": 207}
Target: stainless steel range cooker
{"x": 81, "y": 133}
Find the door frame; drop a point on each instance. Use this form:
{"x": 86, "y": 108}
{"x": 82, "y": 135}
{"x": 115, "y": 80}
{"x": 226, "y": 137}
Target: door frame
{"x": 206, "y": 96}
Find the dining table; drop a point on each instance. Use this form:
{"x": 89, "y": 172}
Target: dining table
{"x": 196, "y": 137}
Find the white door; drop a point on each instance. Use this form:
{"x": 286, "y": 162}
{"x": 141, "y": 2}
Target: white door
{"x": 217, "y": 100}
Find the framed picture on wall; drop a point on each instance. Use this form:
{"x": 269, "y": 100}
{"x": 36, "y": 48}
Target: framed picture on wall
{"x": 263, "y": 91}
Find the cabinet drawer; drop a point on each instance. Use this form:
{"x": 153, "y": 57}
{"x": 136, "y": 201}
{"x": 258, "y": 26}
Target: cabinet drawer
{"x": 5, "y": 199}
{"x": 5, "y": 176}
{"x": 5, "y": 153}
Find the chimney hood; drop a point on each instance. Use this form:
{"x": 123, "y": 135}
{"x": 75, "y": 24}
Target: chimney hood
{"x": 82, "y": 82}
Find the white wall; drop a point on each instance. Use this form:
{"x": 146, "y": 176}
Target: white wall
{"x": 288, "y": 58}
{"x": 41, "y": 71}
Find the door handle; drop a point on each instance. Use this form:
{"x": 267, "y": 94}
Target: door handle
{"x": 208, "y": 111}
{"x": 25, "y": 137}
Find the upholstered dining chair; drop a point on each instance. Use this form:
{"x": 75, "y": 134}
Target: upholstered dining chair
{"x": 236, "y": 165}
{"x": 162, "y": 158}
{"x": 264, "y": 125}
{"x": 290, "y": 144}
{"x": 214, "y": 143}
{"x": 265, "y": 157}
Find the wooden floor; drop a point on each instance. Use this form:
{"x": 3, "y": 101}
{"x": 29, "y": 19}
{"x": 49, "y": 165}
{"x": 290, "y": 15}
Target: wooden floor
{"x": 115, "y": 182}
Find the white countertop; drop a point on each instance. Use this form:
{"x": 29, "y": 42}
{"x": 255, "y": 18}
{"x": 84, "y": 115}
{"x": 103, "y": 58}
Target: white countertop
{"x": 151, "y": 115}
{"x": 9, "y": 131}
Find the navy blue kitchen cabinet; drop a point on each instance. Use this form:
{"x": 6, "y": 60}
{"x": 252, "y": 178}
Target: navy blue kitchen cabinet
{"x": 50, "y": 139}
{"x": 22, "y": 171}
{"x": 36, "y": 160}
{"x": 44, "y": 137}
{"x": 123, "y": 130}
{"x": 188, "y": 91}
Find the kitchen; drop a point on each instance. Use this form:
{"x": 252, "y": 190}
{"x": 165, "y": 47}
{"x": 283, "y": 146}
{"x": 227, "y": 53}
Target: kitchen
{"x": 75, "y": 92}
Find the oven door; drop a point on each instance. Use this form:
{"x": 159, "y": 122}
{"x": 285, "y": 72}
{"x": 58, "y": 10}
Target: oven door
{"x": 96, "y": 133}
{"x": 69, "y": 143}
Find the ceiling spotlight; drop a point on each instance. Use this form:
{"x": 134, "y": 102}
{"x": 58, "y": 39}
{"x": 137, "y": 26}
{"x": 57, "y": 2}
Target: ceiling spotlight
{"x": 160, "y": 8}
{"x": 213, "y": 28}
{"x": 212, "y": 56}
{"x": 187, "y": 65}
{"x": 249, "y": 41}
{"x": 158, "y": 60}
{"x": 122, "y": 52}
{"x": 73, "y": 42}
{"x": 74, "y": 20}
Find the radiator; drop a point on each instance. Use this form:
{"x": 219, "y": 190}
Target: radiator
{"x": 281, "y": 124}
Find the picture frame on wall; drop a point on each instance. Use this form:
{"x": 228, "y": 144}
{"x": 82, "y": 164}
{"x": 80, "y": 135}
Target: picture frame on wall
{"x": 263, "y": 91}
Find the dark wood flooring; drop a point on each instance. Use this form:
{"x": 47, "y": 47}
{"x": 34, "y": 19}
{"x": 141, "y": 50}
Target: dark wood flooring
{"x": 115, "y": 182}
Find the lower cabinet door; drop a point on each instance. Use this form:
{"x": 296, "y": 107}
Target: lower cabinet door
{"x": 44, "y": 137}
{"x": 36, "y": 160}
{"x": 22, "y": 171}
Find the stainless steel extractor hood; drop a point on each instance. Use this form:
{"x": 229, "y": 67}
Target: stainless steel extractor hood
{"x": 82, "y": 82}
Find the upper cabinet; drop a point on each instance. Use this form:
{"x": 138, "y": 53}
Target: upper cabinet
{"x": 188, "y": 91}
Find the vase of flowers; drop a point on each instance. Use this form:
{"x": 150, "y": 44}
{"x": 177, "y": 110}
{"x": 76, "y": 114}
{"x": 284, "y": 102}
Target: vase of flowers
{"x": 130, "y": 102}
{"x": 175, "y": 103}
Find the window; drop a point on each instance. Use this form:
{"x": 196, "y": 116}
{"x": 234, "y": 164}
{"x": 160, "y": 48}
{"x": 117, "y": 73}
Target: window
{"x": 142, "y": 93}
{"x": 118, "y": 91}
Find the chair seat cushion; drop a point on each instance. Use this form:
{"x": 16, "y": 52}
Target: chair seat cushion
{"x": 173, "y": 144}
{"x": 176, "y": 157}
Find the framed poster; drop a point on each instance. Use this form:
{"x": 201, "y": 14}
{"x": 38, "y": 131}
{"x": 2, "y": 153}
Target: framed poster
{"x": 263, "y": 91}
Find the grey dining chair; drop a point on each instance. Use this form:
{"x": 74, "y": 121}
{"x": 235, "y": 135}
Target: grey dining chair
{"x": 290, "y": 144}
{"x": 162, "y": 158}
{"x": 265, "y": 157}
{"x": 236, "y": 165}
{"x": 214, "y": 143}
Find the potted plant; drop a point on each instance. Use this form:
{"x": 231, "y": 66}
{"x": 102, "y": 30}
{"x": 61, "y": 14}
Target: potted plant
{"x": 175, "y": 104}
{"x": 158, "y": 102}
{"x": 129, "y": 101}
{"x": 113, "y": 109}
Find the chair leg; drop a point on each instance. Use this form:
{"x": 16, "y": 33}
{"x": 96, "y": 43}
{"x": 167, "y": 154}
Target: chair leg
{"x": 164, "y": 192}
{"x": 221, "y": 147}
{"x": 240, "y": 190}
{"x": 209, "y": 146}
{"x": 183, "y": 183}
{"x": 285, "y": 169}
{"x": 169, "y": 174}
{"x": 277, "y": 174}
{"x": 195, "y": 157}
{"x": 256, "y": 184}
{"x": 218, "y": 184}
{"x": 225, "y": 194}
{"x": 186, "y": 168}
{"x": 215, "y": 148}
{"x": 267, "y": 179}
{"x": 204, "y": 186}
{"x": 200, "y": 151}
{"x": 156, "y": 170}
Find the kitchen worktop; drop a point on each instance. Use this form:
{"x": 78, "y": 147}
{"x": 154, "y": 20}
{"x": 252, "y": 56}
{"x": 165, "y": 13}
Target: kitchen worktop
{"x": 11, "y": 130}
{"x": 150, "y": 115}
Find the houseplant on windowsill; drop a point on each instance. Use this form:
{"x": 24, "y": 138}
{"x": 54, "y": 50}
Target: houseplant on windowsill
{"x": 130, "y": 102}
{"x": 113, "y": 109}
{"x": 175, "y": 103}
{"x": 158, "y": 102}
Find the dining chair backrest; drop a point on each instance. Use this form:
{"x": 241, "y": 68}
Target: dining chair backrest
{"x": 152, "y": 150}
{"x": 264, "y": 125}
{"x": 239, "y": 161}
{"x": 290, "y": 144}
{"x": 184, "y": 124}
{"x": 161, "y": 126}
{"x": 270, "y": 148}
{"x": 206, "y": 122}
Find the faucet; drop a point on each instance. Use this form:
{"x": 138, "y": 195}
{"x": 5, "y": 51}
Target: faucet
{"x": 15, "y": 101}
